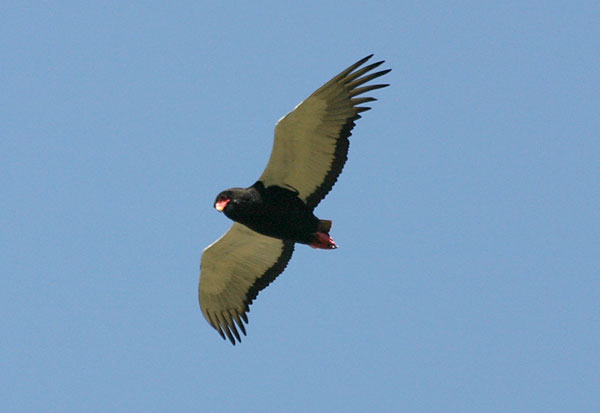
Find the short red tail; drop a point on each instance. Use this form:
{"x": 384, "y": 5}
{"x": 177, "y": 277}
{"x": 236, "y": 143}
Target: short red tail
{"x": 324, "y": 226}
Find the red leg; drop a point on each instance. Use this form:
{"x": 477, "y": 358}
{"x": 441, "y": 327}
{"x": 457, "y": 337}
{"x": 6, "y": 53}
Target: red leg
{"x": 323, "y": 241}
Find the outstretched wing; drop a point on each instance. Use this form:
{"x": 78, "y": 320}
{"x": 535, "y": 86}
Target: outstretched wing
{"x": 311, "y": 142}
{"x": 232, "y": 272}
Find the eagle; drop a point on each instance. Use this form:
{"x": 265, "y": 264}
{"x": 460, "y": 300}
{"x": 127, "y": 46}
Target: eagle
{"x": 309, "y": 151}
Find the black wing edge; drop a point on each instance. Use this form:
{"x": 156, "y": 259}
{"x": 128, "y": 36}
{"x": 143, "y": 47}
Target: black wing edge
{"x": 227, "y": 323}
{"x": 350, "y": 79}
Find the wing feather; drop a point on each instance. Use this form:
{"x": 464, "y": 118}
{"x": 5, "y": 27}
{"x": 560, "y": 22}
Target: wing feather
{"x": 233, "y": 271}
{"x": 311, "y": 142}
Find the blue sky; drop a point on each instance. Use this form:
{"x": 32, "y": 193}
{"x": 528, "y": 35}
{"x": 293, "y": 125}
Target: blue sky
{"x": 467, "y": 277}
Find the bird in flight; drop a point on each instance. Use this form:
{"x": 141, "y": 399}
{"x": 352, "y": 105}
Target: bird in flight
{"x": 309, "y": 151}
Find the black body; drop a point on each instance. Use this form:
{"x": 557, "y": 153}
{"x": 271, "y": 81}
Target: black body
{"x": 273, "y": 211}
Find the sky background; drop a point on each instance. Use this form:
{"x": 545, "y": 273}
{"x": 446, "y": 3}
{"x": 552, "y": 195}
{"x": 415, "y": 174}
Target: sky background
{"x": 468, "y": 219}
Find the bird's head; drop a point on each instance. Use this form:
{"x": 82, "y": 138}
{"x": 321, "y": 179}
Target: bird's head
{"x": 223, "y": 199}
{"x": 236, "y": 202}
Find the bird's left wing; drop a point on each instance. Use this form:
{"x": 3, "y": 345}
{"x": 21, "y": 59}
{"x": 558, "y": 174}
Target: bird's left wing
{"x": 232, "y": 272}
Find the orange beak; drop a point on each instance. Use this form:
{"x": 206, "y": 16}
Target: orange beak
{"x": 220, "y": 205}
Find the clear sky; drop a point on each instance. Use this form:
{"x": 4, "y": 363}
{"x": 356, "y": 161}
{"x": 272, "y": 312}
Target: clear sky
{"x": 468, "y": 220}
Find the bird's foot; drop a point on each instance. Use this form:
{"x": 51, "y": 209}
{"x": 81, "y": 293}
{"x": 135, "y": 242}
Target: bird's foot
{"x": 323, "y": 241}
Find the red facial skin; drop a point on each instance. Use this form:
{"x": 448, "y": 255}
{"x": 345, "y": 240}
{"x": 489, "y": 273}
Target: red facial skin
{"x": 221, "y": 203}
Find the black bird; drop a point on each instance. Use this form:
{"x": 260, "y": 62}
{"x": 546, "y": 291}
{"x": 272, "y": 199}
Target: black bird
{"x": 309, "y": 151}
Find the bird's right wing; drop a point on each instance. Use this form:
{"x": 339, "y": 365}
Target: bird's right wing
{"x": 232, "y": 272}
{"x": 311, "y": 142}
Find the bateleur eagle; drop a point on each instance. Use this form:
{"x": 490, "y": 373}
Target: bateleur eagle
{"x": 309, "y": 152}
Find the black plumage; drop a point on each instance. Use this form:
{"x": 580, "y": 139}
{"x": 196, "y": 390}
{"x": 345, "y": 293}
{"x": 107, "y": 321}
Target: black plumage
{"x": 273, "y": 211}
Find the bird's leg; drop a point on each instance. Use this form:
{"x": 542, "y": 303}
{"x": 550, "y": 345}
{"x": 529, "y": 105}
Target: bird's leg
{"x": 323, "y": 241}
